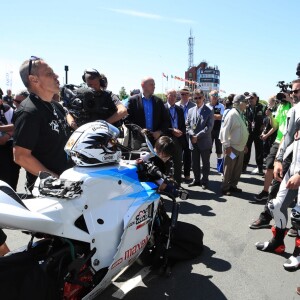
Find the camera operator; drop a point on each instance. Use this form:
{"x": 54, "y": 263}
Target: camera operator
{"x": 105, "y": 105}
{"x": 254, "y": 114}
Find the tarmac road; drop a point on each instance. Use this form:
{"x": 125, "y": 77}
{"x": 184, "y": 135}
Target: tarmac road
{"x": 230, "y": 267}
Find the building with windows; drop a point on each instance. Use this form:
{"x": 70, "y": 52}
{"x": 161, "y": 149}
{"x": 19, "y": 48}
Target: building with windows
{"x": 207, "y": 78}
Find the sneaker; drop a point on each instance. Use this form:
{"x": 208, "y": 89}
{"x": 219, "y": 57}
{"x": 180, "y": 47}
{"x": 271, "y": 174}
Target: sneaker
{"x": 292, "y": 232}
{"x": 258, "y": 224}
{"x": 254, "y": 171}
{"x": 226, "y": 192}
{"x": 293, "y": 262}
{"x": 263, "y": 195}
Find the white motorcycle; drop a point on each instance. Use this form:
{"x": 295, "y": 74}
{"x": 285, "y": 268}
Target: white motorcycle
{"x": 90, "y": 224}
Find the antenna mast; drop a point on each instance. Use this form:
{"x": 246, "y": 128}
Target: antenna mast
{"x": 191, "y": 50}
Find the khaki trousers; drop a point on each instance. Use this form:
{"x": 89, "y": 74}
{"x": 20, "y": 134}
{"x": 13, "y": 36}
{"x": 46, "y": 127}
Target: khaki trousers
{"x": 232, "y": 169}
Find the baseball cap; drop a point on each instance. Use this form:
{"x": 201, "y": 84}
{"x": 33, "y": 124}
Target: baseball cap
{"x": 239, "y": 99}
{"x": 250, "y": 95}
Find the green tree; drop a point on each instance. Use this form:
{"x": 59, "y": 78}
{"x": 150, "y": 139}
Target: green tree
{"x": 122, "y": 94}
{"x": 162, "y": 96}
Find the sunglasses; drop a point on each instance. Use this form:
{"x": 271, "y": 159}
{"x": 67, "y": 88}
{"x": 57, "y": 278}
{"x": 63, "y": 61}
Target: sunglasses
{"x": 197, "y": 98}
{"x": 31, "y": 60}
{"x": 214, "y": 95}
{"x": 184, "y": 94}
{"x": 295, "y": 91}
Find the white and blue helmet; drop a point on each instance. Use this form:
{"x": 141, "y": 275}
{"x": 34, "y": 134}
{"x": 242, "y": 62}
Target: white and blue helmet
{"x": 94, "y": 144}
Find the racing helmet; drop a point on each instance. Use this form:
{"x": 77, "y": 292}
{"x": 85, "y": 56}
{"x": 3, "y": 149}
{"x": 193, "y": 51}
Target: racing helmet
{"x": 93, "y": 144}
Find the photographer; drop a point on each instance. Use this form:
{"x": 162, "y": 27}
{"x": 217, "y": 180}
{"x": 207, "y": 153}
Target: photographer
{"x": 95, "y": 103}
{"x": 278, "y": 123}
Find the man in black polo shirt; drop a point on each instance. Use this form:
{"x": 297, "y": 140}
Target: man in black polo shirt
{"x": 255, "y": 114}
{"x": 41, "y": 131}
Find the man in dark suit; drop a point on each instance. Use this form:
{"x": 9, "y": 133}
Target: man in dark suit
{"x": 199, "y": 123}
{"x": 177, "y": 131}
{"x": 147, "y": 111}
{"x": 186, "y": 104}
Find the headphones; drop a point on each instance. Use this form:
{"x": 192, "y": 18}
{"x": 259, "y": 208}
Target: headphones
{"x": 93, "y": 72}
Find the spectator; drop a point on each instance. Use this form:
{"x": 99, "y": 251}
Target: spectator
{"x": 185, "y": 103}
{"x": 289, "y": 189}
{"x": 8, "y": 169}
{"x": 278, "y": 123}
{"x": 234, "y": 136}
{"x": 254, "y": 114}
{"x": 281, "y": 163}
{"x": 268, "y": 135}
{"x": 147, "y": 111}
{"x": 8, "y": 99}
{"x": 218, "y": 110}
{"x": 19, "y": 97}
{"x": 135, "y": 92}
{"x": 177, "y": 131}
{"x": 228, "y": 107}
{"x": 200, "y": 121}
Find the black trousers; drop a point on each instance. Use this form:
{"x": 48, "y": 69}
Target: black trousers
{"x": 9, "y": 170}
{"x": 266, "y": 215}
{"x": 259, "y": 150}
{"x": 197, "y": 170}
{"x": 187, "y": 160}
{"x": 2, "y": 237}
{"x": 177, "y": 160}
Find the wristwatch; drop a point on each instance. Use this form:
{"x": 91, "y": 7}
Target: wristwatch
{"x": 298, "y": 172}
{"x": 278, "y": 160}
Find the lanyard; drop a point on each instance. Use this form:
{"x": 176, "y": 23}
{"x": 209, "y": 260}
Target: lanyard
{"x": 173, "y": 117}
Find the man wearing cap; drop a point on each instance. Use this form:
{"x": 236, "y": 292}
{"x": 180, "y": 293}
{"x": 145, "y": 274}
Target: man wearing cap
{"x": 218, "y": 110}
{"x": 255, "y": 113}
{"x": 234, "y": 136}
{"x": 186, "y": 104}
{"x": 177, "y": 131}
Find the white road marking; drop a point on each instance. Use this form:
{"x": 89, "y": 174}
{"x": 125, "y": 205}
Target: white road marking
{"x": 125, "y": 287}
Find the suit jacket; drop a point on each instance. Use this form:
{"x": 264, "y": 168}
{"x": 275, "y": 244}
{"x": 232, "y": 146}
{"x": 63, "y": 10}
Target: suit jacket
{"x": 201, "y": 126}
{"x": 189, "y": 105}
{"x": 136, "y": 113}
{"x": 181, "y": 124}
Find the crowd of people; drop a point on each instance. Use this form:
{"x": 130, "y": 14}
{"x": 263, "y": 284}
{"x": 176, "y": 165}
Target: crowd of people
{"x": 34, "y": 128}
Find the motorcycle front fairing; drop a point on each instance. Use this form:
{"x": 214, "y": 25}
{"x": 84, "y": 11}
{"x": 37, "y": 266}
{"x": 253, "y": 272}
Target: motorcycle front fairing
{"x": 110, "y": 196}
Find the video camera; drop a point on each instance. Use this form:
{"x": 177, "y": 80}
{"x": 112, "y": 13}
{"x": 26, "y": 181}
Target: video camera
{"x": 298, "y": 70}
{"x": 285, "y": 88}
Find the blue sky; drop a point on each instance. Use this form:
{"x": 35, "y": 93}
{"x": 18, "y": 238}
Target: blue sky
{"x": 254, "y": 43}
